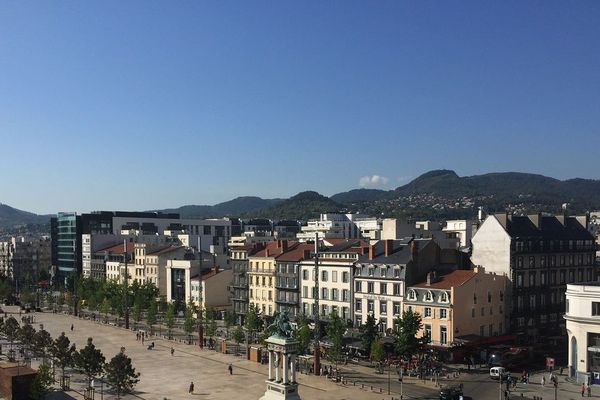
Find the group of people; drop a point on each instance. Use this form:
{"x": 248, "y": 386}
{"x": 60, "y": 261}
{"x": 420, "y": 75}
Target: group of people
{"x": 140, "y": 335}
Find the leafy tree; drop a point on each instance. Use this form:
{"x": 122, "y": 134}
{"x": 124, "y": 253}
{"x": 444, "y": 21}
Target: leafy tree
{"x": 377, "y": 352}
{"x": 61, "y": 299}
{"x": 137, "y": 313}
{"x": 11, "y": 329}
{"x": 5, "y": 290}
{"x": 90, "y": 361}
{"x": 170, "y": 318}
{"x": 190, "y": 321}
{"x": 303, "y": 335}
{"x": 406, "y": 342}
{"x": 369, "y": 333}
{"x": 26, "y": 296}
{"x": 229, "y": 320}
{"x": 42, "y": 383}
{"x": 120, "y": 374}
{"x": 62, "y": 351}
{"x": 92, "y": 303}
{"x": 26, "y": 334}
{"x": 42, "y": 343}
{"x": 211, "y": 328}
{"x": 252, "y": 319}
{"x": 105, "y": 308}
{"x": 335, "y": 334}
{"x": 151, "y": 314}
{"x": 238, "y": 337}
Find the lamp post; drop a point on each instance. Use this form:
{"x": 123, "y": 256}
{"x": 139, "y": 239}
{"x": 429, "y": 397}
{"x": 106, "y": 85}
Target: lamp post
{"x": 126, "y": 290}
{"x": 317, "y": 345}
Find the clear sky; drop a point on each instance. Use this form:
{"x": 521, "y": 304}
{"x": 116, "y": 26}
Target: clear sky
{"x": 137, "y": 105}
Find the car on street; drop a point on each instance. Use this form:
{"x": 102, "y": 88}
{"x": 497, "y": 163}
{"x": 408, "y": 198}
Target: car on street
{"x": 451, "y": 393}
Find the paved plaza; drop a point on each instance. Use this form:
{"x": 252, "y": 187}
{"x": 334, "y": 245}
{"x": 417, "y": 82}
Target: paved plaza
{"x": 165, "y": 376}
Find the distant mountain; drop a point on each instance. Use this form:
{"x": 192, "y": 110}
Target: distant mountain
{"x": 360, "y": 196}
{"x": 303, "y": 206}
{"x": 231, "y": 208}
{"x": 10, "y": 217}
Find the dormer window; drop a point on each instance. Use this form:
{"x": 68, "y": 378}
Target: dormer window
{"x": 412, "y": 295}
{"x": 428, "y": 296}
{"x": 370, "y": 271}
{"x": 444, "y": 297}
{"x": 382, "y": 272}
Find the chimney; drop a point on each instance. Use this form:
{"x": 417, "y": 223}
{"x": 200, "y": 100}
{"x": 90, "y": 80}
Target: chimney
{"x": 267, "y": 251}
{"x": 414, "y": 250}
{"x": 371, "y": 252}
{"x": 279, "y": 244}
{"x": 388, "y": 247}
{"x": 284, "y": 245}
{"x": 429, "y": 278}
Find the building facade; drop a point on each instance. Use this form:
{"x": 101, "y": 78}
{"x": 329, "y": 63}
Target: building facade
{"x": 540, "y": 255}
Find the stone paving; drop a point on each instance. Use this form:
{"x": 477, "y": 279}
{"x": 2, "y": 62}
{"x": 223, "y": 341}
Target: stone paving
{"x": 166, "y": 376}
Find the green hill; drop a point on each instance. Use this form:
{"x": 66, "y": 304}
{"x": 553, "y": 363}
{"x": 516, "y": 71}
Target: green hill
{"x": 303, "y": 206}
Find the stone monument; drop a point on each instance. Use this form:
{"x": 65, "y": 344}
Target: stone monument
{"x": 282, "y": 348}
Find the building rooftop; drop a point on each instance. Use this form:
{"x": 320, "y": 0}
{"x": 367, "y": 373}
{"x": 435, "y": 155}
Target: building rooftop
{"x": 118, "y": 248}
{"x": 544, "y": 227}
{"x": 450, "y": 280}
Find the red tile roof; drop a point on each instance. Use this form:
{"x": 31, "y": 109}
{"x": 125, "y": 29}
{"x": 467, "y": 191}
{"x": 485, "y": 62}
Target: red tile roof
{"x": 274, "y": 249}
{"x": 118, "y": 248}
{"x": 453, "y": 279}
{"x": 163, "y": 250}
{"x": 297, "y": 253}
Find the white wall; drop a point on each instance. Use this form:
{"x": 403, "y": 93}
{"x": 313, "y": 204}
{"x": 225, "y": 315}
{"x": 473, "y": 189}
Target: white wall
{"x": 491, "y": 247}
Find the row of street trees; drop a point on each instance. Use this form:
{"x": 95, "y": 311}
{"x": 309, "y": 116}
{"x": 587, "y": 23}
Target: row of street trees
{"x": 90, "y": 361}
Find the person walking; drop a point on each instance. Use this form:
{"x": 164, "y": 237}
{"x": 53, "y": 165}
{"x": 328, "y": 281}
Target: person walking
{"x": 589, "y": 390}
{"x": 582, "y": 389}
{"x": 71, "y": 327}
{"x": 543, "y": 380}
{"x": 172, "y": 350}
{"x": 230, "y": 368}
{"x": 191, "y": 390}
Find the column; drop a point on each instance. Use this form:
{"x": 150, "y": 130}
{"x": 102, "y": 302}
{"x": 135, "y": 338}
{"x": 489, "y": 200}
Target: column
{"x": 293, "y": 358}
{"x": 286, "y": 359}
{"x": 270, "y": 365}
{"x": 277, "y": 356}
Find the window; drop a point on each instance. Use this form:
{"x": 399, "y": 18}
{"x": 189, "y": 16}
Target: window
{"x": 345, "y": 295}
{"x": 444, "y": 297}
{"x": 396, "y": 273}
{"x": 443, "y": 335}
{"x": 532, "y": 279}
{"x": 358, "y": 286}
{"x": 482, "y": 311}
{"x": 334, "y": 294}
{"x": 324, "y": 276}
{"x": 427, "y": 312}
{"x": 370, "y": 306}
{"x": 333, "y": 276}
{"x": 370, "y": 287}
{"x": 382, "y": 272}
{"x": 542, "y": 261}
{"x": 396, "y": 308}
{"x": 383, "y": 307}
{"x": 571, "y": 275}
{"x": 531, "y": 262}
{"x": 443, "y": 313}
{"x": 305, "y": 275}
{"x": 358, "y": 304}
{"x": 520, "y": 279}
{"x": 370, "y": 271}
{"x": 428, "y": 296}
{"x": 520, "y": 262}
{"x": 472, "y": 313}
{"x": 383, "y": 288}
{"x": 501, "y": 296}
{"x": 489, "y": 296}
{"x": 427, "y": 330}
{"x": 383, "y": 324}
{"x": 562, "y": 277}
{"x": 396, "y": 289}
{"x": 305, "y": 291}
{"x": 595, "y": 308}
{"x": 345, "y": 276}
{"x": 324, "y": 293}
{"x": 412, "y": 295}
{"x": 532, "y": 301}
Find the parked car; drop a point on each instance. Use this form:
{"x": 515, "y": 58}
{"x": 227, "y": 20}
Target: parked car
{"x": 498, "y": 373}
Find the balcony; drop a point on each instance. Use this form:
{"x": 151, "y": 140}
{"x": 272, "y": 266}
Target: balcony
{"x": 287, "y": 301}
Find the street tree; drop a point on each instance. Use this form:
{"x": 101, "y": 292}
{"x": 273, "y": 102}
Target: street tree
{"x": 377, "y": 354}
{"x": 190, "y": 322}
{"x": 252, "y": 319}
{"x": 137, "y": 312}
{"x": 42, "y": 383}
{"x": 105, "y": 308}
{"x": 335, "y": 335}
{"x": 170, "y": 319}
{"x": 42, "y": 343}
{"x": 62, "y": 352}
{"x": 369, "y": 333}
{"x": 238, "y": 337}
{"x": 11, "y": 329}
{"x": 406, "y": 342}
{"x": 26, "y": 334}
{"x": 303, "y": 335}
{"x": 120, "y": 374}
{"x": 151, "y": 314}
{"x": 90, "y": 361}
{"x": 229, "y": 319}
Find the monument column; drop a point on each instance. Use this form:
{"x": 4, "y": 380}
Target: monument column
{"x": 270, "y": 365}
{"x": 293, "y": 366}
{"x": 286, "y": 359}
{"x": 277, "y": 356}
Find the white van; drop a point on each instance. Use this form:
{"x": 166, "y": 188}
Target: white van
{"x": 497, "y": 372}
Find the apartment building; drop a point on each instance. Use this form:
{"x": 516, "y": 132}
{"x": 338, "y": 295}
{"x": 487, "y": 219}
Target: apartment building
{"x": 262, "y": 275}
{"x": 540, "y": 255}
{"x": 336, "y": 266}
{"x": 209, "y": 290}
{"x": 380, "y": 276}
{"x": 287, "y": 274}
{"x": 23, "y": 258}
{"x": 460, "y": 304}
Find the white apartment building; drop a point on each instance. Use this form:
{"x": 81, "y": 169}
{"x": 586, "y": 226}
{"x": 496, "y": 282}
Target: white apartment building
{"x": 341, "y": 226}
{"x": 335, "y": 280}
{"x": 209, "y": 290}
{"x": 462, "y": 229}
{"x": 583, "y": 328}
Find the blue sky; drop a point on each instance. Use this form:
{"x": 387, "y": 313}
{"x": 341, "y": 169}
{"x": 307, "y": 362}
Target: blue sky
{"x": 150, "y": 104}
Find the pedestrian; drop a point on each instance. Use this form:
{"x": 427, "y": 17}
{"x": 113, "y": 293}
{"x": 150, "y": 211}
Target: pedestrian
{"x": 582, "y": 389}
{"x": 191, "y": 387}
{"x": 543, "y": 380}
{"x": 172, "y": 350}
{"x": 589, "y": 390}
{"x": 142, "y": 339}
{"x": 71, "y": 327}
{"x": 230, "y": 368}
